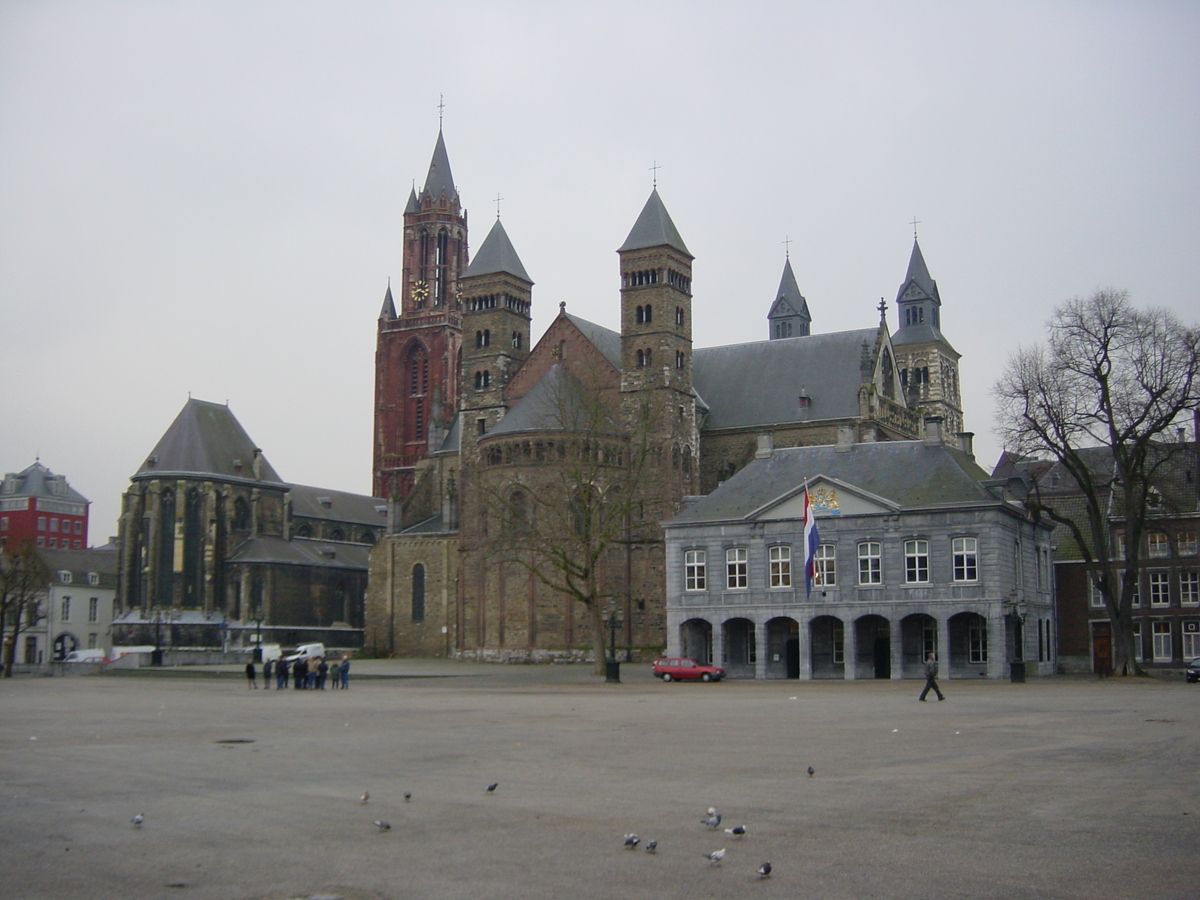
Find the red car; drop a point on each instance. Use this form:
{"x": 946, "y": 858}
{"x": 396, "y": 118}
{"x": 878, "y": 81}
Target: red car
{"x": 674, "y": 668}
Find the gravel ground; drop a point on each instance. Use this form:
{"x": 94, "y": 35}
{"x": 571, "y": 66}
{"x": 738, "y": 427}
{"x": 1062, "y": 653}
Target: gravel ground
{"x": 1058, "y": 788}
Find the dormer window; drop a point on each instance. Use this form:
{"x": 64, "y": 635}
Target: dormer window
{"x": 64, "y": 576}
{"x": 93, "y": 578}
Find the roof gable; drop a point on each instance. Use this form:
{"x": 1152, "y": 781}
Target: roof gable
{"x": 207, "y": 439}
{"x": 829, "y": 497}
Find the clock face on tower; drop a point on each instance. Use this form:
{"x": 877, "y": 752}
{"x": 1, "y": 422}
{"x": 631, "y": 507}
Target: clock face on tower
{"x": 420, "y": 293}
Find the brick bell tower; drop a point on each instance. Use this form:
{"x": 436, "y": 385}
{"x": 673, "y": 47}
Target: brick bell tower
{"x": 417, "y": 349}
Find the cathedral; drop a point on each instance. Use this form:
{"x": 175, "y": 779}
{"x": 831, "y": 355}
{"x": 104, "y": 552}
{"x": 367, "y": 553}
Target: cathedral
{"x": 528, "y": 480}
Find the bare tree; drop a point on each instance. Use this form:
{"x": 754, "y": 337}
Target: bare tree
{"x": 24, "y": 580}
{"x": 1098, "y": 398}
{"x": 582, "y": 494}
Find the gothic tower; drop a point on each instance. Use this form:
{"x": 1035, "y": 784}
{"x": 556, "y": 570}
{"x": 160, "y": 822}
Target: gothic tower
{"x": 928, "y": 365}
{"x": 656, "y": 350}
{"x": 496, "y": 293}
{"x": 789, "y": 316}
{"x": 417, "y": 348}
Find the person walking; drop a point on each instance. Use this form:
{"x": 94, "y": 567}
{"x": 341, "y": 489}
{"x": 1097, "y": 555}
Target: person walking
{"x": 251, "y": 675}
{"x": 268, "y": 667}
{"x": 931, "y": 670}
{"x": 345, "y": 672}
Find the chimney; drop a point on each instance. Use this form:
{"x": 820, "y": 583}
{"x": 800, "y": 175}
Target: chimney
{"x": 845, "y": 438}
{"x": 765, "y": 445}
{"x": 257, "y": 464}
{"x": 933, "y": 430}
{"x": 966, "y": 443}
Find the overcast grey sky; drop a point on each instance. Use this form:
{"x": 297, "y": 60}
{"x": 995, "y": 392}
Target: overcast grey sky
{"x": 207, "y": 197}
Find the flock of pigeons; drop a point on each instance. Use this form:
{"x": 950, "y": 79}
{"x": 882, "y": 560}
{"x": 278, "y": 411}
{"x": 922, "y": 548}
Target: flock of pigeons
{"x": 632, "y": 841}
{"x": 713, "y": 822}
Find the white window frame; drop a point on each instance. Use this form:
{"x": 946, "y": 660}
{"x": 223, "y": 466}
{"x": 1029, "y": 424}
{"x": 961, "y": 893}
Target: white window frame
{"x": 1136, "y": 602}
{"x": 1163, "y": 649}
{"x": 1160, "y": 587}
{"x": 1096, "y": 599}
{"x": 64, "y": 576}
{"x": 93, "y": 578}
{"x": 1185, "y": 544}
{"x": 1138, "y": 648}
{"x": 1156, "y": 545}
{"x": 965, "y": 553}
{"x": 1191, "y": 644}
{"x": 916, "y": 561}
{"x": 94, "y": 609}
{"x": 737, "y": 569}
{"x": 695, "y": 570}
{"x": 64, "y": 609}
{"x": 870, "y": 562}
{"x": 1189, "y": 588}
{"x": 780, "y": 565}
{"x": 825, "y": 565}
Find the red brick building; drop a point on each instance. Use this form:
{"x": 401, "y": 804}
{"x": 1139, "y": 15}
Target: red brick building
{"x": 42, "y": 509}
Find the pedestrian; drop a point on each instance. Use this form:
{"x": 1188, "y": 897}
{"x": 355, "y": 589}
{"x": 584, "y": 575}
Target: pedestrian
{"x": 310, "y": 682}
{"x": 267, "y": 669}
{"x": 345, "y": 672}
{"x": 322, "y": 673}
{"x": 251, "y": 675}
{"x": 281, "y": 674}
{"x": 299, "y": 671}
{"x": 335, "y": 674}
{"x": 931, "y": 670}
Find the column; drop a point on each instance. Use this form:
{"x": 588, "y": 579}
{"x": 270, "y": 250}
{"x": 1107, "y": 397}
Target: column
{"x": 805, "y": 634}
{"x": 896, "y": 633}
{"x": 850, "y": 650}
{"x": 762, "y": 659}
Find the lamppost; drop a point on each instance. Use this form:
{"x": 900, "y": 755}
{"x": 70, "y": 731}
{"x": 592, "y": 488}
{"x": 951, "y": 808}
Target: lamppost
{"x": 1015, "y": 611}
{"x": 156, "y": 658}
{"x": 258, "y": 634}
{"x": 612, "y": 668}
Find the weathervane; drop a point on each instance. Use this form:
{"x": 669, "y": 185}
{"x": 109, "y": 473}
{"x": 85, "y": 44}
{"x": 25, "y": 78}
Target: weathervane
{"x": 441, "y": 109}
{"x": 787, "y": 247}
{"x": 654, "y": 168}
{"x": 914, "y": 223}
{"x": 497, "y": 202}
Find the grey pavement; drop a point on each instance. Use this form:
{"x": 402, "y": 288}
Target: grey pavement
{"x": 1058, "y": 788}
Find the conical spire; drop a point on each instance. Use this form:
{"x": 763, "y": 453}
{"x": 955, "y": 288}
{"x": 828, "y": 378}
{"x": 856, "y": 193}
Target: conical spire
{"x": 917, "y": 283}
{"x": 440, "y": 180}
{"x": 789, "y": 307}
{"x": 654, "y": 228}
{"x": 413, "y": 205}
{"x": 495, "y": 255}
{"x": 389, "y": 306}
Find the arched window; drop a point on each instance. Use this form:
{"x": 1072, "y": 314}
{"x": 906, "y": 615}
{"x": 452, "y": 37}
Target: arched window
{"x": 166, "y": 548}
{"x": 304, "y": 531}
{"x": 679, "y": 315}
{"x": 418, "y": 593}
{"x": 193, "y": 550}
{"x": 337, "y": 535}
{"x": 441, "y": 273}
{"x": 641, "y": 359}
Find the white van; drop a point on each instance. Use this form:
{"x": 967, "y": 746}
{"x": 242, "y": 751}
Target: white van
{"x": 85, "y": 656}
{"x": 118, "y": 652}
{"x": 305, "y": 651}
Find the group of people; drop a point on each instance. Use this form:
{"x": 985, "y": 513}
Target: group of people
{"x": 306, "y": 673}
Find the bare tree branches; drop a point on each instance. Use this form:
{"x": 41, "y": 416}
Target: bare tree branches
{"x": 1098, "y": 398}
{"x": 24, "y": 579}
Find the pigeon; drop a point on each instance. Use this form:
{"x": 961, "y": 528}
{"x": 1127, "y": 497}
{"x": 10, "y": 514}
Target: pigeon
{"x": 713, "y": 821}
{"x": 382, "y": 824}
{"x": 631, "y": 841}
{"x": 651, "y": 846}
{"x": 714, "y": 858}
{"x": 491, "y": 788}
{"x": 737, "y": 831}
{"x": 407, "y": 796}
{"x": 764, "y": 871}
{"x": 138, "y": 820}
{"x": 811, "y": 771}
{"x": 365, "y": 797}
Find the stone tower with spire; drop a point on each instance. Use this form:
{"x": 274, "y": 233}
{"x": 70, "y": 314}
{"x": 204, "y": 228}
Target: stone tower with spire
{"x": 927, "y": 364}
{"x": 656, "y": 349}
{"x": 418, "y": 345}
{"x": 789, "y": 316}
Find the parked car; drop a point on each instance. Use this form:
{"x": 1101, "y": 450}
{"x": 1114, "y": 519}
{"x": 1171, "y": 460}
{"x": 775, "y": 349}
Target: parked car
{"x": 674, "y": 668}
{"x": 1193, "y": 671}
{"x": 305, "y": 651}
{"x": 85, "y": 656}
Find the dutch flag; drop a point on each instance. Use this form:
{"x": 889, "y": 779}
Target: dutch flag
{"x": 812, "y": 540}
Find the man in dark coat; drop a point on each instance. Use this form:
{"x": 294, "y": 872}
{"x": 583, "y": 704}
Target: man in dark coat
{"x": 931, "y": 670}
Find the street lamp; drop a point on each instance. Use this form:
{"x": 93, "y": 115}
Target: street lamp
{"x": 612, "y": 668}
{"x": 1015, "y": 611}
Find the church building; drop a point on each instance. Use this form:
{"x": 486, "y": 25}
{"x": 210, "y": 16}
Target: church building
{"x": 493, "y": 446}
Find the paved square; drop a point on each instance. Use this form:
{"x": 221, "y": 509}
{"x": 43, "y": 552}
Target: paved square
{"x": 1058, "y": 788}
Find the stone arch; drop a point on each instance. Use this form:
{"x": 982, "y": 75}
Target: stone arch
{"x": 695, "y": 640}
{"x": 741, "y": 647}
{"x": 918, "y": 637}
{"x": 969, "y": 645}
{"x": 873, "y": 647}
{"x": 783, "y": 648}
{"x": 827, "y": 641}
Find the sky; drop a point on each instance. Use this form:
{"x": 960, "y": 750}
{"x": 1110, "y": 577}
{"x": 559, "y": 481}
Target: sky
{"x": 205, "y": 198}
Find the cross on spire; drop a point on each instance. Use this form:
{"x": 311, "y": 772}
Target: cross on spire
{"x": 497, "y": 202}
{"x": 654, "y": 168}
{"x": 914, "y": 223}
{"x": 882, "y": 307}
{"x": 441, "y": 109}
{"x": 787, "y": 247}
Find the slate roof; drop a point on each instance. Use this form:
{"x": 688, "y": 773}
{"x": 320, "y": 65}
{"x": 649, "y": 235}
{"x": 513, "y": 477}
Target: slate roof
{"x": 80, "y": 562}
{"x": 654, "y": 228}
{"x": 760, "y": 383}
{"x": 413, "y": 205}
{"x": 440, "y": 180}
{"x": 543, "y": 406}
{"x": 918, "y": 286}
{"x": 607, "y": 341}
{"x": 206, "y": 439}
{"x": 38, "y": 481}
{"x": 433, "y": 525}
{"x": 496, "y": 254}
{"x": 356, "y": 509}
{"x": 908, "y": 474}
{"x": 453, "y": 440}
{"x": 302, "y": 552}
{"x": 389, "y": 306}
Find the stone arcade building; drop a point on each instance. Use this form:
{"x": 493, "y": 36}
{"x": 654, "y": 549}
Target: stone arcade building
{"x": 919, "y": 552}
{"x": 460, "y": 415}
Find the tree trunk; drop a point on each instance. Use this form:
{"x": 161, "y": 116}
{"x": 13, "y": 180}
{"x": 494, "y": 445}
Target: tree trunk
{"x": 597, "y": 617}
